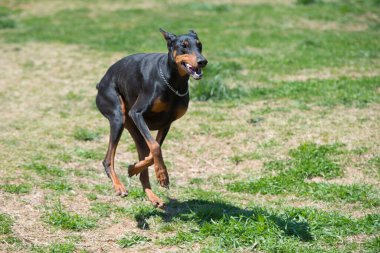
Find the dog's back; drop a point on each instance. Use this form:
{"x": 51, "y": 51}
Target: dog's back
{"x": 131, "y": 74}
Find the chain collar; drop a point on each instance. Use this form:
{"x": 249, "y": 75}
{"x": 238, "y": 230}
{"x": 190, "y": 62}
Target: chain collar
{"x": 171, "y": 87}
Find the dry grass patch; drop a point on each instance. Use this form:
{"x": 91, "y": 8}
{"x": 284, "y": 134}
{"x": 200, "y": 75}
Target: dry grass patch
{"x": 326, "y": 26}
{"x": 331, "y": 73}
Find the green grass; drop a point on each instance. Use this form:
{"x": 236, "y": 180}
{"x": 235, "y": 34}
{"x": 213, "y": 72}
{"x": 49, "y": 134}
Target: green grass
{"x": 307, "y": 161}
{"x": 89, "y": 154}
{"x": 103, "y": 189}
{"x": 84, "y": 134}
{"x": 44, "y": 170}
{"x": 102, "y": 209}
{"x": 16, "y": 188}
{"x": 60, "y": 218}
{"x": 6, "y": 22}
{"x": 372, "y": 246}
{"x": 305, "y": 2}
{"x": 57, "y": 185}
{"x": 91, "y": 196}
{"x": 292, "y": 48}
{"x": 5, "y": 224}
{"x": 374, "y": 164}
{"x": 105, "y": 209}
{"x": 230, "y": 227}
{"x": 130, "y": 240}
{"x": 349, "y": 92}
{"x": 136, "y": 193}
{"x": 66, "y": 247}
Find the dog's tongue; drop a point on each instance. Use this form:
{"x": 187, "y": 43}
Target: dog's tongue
{"x": 195, "y": 73}
{"x": 190, "y": 68}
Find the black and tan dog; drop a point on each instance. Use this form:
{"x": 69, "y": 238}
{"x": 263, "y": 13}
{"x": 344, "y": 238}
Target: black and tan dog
{"x": 144, "y": 92}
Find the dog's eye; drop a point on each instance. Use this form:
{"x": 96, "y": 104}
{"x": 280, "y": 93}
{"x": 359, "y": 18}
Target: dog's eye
{"x": 199, "y": 45}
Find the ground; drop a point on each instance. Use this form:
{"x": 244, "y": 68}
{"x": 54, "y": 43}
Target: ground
{"x": 278, "y": 152}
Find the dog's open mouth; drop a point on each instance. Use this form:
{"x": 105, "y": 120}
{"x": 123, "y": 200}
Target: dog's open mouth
{"x": 196, "y": 73}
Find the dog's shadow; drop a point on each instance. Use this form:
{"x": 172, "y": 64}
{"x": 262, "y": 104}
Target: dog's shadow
{"x": 204, "y": 211}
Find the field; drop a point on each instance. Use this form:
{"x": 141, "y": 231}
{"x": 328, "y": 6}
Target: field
{"x": 279, "y": 150}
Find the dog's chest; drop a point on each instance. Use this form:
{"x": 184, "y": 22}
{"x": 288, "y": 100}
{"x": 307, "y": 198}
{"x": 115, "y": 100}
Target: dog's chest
{"x": 163, "y": 111}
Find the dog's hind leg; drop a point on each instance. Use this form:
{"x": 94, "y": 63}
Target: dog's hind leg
{"x": 111, "y": 105}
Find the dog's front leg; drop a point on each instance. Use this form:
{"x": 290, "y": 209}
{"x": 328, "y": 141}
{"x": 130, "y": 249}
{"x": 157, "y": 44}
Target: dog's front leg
{"x": 148, "y": 161}
{"x": 136, "y": 114}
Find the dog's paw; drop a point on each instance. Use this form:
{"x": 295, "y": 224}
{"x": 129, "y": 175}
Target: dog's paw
{"x": 163, "y": 178}
{"x": 120, "y": 190}
{"x": 157, "y": 202}
{"x": 131, "y": 171}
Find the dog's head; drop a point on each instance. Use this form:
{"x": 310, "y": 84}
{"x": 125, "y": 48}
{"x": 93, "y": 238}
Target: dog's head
{"x": 186, "y": 52}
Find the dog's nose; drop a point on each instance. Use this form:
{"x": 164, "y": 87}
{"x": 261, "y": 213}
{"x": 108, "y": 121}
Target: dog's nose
{"x": 202, "y": 63}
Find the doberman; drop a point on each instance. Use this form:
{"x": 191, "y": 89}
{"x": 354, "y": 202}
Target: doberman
{"x": 144, "y": 92}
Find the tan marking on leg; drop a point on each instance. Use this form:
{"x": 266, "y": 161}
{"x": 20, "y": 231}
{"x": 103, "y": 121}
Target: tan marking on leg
{"x": 156, "y": 201}
{"x": 159, "y": 165}
{"x": 161, "y": 173}
{"x": 123, "y": 110}
{"x": 118, "y": 186}
{"x": 148, "y": 161}
{"x": 140, "y": 166}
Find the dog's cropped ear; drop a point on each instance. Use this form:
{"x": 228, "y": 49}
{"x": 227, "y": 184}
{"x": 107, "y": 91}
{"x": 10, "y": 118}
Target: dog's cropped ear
{"x": 169, "y": 37}
{"x": 192, "y": 32}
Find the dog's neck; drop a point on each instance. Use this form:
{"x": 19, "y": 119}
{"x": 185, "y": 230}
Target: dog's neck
{"x": 171, "y": 73}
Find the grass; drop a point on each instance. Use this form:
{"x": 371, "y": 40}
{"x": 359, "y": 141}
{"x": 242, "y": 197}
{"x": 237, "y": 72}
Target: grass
{"x": 56, "y": 185}
{"x": 45, "y": 170}
{"x": 305, "y": 2}
{"x": 278, "y": 151}
{"x": 16, "y": 188}
{"x": 300, "y": 47}
{"x": 308, "y": 161}
{"x": 55, "y": 248}
{"x": 84, "y": 134}
{"x": 5, "y": 224}
{"x": 89, "y": 154}
{"x": 6, "y": 22}
{"x": 130, "y": 240}
{"x": 230, "y": 227}
{"x": 60, "y": 218}
{"x": 373, "y": 245}
{"x": 102, "y": 209}
{"x": 347, "y": 92}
